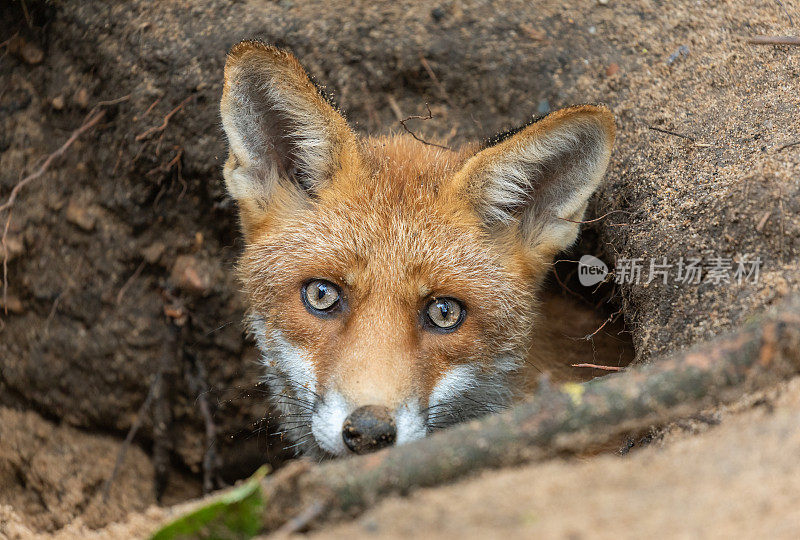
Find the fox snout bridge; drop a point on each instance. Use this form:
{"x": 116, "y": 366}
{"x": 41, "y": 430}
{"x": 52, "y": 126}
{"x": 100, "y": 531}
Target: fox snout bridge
{"x": 368, "y": 429}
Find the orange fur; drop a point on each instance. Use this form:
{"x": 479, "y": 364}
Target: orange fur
{"x": 384, "y": 235}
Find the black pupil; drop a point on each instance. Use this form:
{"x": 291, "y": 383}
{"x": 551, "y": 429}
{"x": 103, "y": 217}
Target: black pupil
{"x": 444, "y": 309}
{"x": 322, "y": 291}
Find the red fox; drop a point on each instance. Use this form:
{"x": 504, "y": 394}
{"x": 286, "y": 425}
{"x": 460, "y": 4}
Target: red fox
{"x": 394, "y": 287}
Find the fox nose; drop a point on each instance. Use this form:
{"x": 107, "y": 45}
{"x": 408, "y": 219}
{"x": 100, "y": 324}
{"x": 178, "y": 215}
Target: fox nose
{"x": 368, "y": 429}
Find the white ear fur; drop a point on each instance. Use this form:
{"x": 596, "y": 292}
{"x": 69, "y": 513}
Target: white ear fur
{"x": 544, "y": 175}
{"x": 278, "y": 125}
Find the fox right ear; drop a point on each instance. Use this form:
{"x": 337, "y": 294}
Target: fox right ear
{"x": 540, "y": 178}
{"x": 282, "y": 133}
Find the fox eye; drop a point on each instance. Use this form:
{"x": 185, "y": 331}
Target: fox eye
{"x": 444, "y": 314}
{"x": 321, "y": 297}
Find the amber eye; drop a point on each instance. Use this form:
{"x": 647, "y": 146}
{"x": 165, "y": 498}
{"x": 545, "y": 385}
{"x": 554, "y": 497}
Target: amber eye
{"x": 444, "y": 314}
{"x": 321, "y": 297}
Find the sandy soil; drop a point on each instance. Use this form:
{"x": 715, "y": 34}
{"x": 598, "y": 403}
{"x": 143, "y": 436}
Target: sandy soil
{"x": 53, "y": 475}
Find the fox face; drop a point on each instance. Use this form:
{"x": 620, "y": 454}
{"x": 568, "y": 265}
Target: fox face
{"x": 392, "y": 286}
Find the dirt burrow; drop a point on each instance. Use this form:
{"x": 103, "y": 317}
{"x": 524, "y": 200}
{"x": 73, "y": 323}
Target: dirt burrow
{"x": 132, "y": 229}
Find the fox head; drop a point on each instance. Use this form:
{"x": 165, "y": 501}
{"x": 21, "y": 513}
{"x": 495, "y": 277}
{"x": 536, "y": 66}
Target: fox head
{"x": 392, "y": 285}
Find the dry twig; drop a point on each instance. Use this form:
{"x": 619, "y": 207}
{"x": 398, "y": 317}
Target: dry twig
{"x": 595, "y": 219}
{"x": 165, "y": 168}
{"x": 395, "y": 107}
{"x": 54, "y": 308}
{"x": 26, "y": 14}
{"x": 763, "y": 221}
{"x": 9, "y": 40}
{"x": 787, "y": 145}
{"x": 197, "y": 379}
{"x": 148, "y": 110}
{"x": 417, "y": 117}
{"x": 697, "y": 143}
{"x": 564, "y": 285}
{"x": 92, "y": 119}
{"x": 128, "y": 282}
{"x": 775, "y": 40}
{"x": 435, "y": 79}
{"x": 783, "y": 8}
{"x": 668, "y": 132}
{"x": 780, "y": 222}
{"x": 608, "y": 320}
{"x": 137, "y": 423}
{"x": 172, "y": 360}
{"x": 86, "y": 126}
{"x": 5, "y": 264}
{"x": 157, "y": 129}
{"x": 597, "y": 366}
{"x": 110, "y": 102}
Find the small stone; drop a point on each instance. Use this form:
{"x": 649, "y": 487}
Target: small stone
{"x": 152, "y": 253}
{"x": 12, "y": 304}
{"x": 58, "y": 103}
{"x": 612, "y": 69}
{"x": 14, "y": 246}
{"x": 81, "y": 98}
{"x": 31, "y": 53}
{"x": 536, "y": 34}
{"x": 79, "y": 215}
{"x": 602, "y": 2}
{"x": 190, "y": 274}
{"x": 28, "y": 52}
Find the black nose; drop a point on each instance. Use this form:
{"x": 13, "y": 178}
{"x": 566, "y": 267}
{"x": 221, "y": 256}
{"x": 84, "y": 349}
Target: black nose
{"x": 368, "y": 429}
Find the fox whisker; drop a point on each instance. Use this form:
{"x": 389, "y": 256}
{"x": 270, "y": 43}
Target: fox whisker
{"x": 294, "y": 402}
{"x": 284, "y": 394}
{"x": 287, "y": 431}
{"x": 303, "y": 440}
{"x": 294, "y": 425}
{"x": 435, "y": 406}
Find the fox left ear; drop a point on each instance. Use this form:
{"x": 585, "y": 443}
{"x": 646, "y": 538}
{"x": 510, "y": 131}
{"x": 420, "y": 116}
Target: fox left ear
{"x": 541, "y": 177}
{"x": 286, "y": 140}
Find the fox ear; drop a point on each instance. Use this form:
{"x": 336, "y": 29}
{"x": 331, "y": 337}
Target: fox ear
{"x": 281, "y": 131}
{"x": 542, "y": 176}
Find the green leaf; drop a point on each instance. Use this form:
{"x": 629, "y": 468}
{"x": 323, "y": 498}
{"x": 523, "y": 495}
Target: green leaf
{"x": 233, "y": 515}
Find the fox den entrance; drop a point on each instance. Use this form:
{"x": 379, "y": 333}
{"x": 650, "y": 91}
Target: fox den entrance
{"x": 583, "y": 315}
